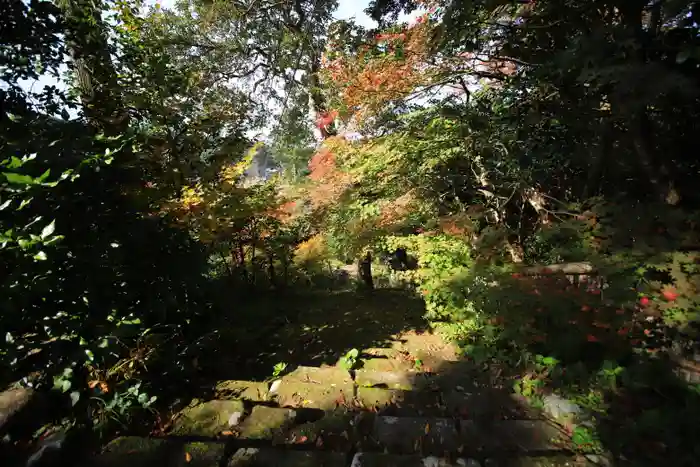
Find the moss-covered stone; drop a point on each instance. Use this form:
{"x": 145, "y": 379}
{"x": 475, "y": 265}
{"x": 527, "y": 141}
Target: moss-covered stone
{"x": 388, "y": 364}
{"x": 202, "y": 454}
{"x": 266, "y": 422}
{"x": 209, "y": 418}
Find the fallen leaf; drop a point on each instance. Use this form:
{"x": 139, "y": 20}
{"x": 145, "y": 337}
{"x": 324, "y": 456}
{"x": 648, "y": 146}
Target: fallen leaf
{"x": 427, "y": 428}
{"x": 303, "y": 439}
{"x": 227, "y": 433}
{"x": 188, "y": 457}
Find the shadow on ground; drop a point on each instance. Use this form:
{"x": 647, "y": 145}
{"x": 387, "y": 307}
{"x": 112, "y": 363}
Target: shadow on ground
{"x": 311, "y": 328}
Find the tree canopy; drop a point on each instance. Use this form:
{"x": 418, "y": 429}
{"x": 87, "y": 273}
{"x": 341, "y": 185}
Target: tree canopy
{"x": 482, "y": 137}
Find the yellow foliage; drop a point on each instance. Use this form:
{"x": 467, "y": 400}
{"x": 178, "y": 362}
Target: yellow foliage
{"x": 314, "y": 250}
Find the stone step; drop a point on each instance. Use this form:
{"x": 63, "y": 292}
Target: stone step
{"x": 254, "y": 391}
{"x": 252, "y": 457}
{"x": 369, "y": 459}
{"x": 149, "y": 452}
{"x": 460, "y": 403}
{"x": 265, "y": 423}
{"x": 398, "y": 362}
{"x": 409, "y": 435}
{"x": 208, "y": 418}
{"x": 403, "y": 380}
{"x": 327, "y": 375}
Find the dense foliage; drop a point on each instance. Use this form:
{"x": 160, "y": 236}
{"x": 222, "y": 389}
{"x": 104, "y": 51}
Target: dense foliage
{"x": 479, "y": 140}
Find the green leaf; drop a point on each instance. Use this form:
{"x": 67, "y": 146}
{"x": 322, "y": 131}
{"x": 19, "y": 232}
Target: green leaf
{"x": 44, "y": 176}
{"x": 5, "y": 204}
{"x": 74, "y": 397}
{"x": 25, "y": 202}
{"x": 19, "y": 179}
{"x": 65, "y": 385}
{"x": 41, "y": 256}
{"x": 48, "y": 230}
{"x": 682, "y": 56}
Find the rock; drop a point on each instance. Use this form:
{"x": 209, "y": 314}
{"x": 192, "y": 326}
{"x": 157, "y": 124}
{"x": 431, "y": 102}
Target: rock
{"x": 285, "y": 458}
{"x": 366, "y": 459}
{"x": 11, "y": 402}
{"x": 405, "y": 435}
{"x": 560, "y": 409}
{"x": 209, "y": 418}
{"x": 265, "y": 422}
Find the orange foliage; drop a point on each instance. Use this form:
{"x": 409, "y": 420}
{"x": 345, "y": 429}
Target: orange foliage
{"x": 330, "y": 182}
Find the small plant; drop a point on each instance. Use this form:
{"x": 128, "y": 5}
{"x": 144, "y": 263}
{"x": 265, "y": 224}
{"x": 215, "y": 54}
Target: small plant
{"x": 278, "y": 369}
{"x": 348, "y": 361}
{"x": 585, "y": 439}
{"x": 417, "y": 364}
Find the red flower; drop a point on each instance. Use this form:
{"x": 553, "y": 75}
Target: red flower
{"x": 591, "y": 338}
{"x": 647, "y": 332}
{"x": 644, "y": 301}
{"x": 670, "y": 294}
{"x": 585, "y": 308}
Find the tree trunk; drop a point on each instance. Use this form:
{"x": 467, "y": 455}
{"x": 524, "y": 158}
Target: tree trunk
{"x": 364, "y": 270}
{"x": 96, "y": 78}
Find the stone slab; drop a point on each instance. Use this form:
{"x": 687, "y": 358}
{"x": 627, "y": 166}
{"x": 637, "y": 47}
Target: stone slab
{"x": 265, "y": 422}
{"x": 548, "y": 461}
{"x": 200, "y": 454}
{"x": 511, "y": 435}
{"x": 328, "y": 375}
{"x": 365, "y": 459}
{"x": 209, "y": 418}
{"x": 398, "y": 402}
{"x": 134, "y": 451}
{"x": 404, "y": 380}
{"x": 297, "y": 394}
{"x": 407, "y": 435}
{"x": 332, "y": 432}
{"x": 256, "y": 391}
{"x": 476, "y": 403}
{"x": 251, "y": 457}
{"x": 388, "y": 364}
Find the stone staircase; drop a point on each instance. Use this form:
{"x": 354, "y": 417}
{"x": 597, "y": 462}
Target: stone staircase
{"x": 391, "y": 412}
